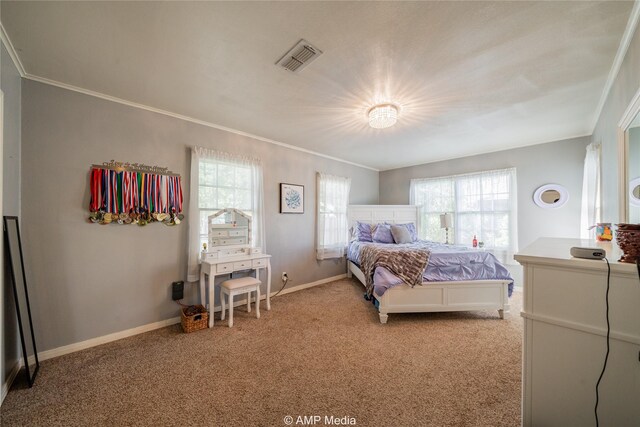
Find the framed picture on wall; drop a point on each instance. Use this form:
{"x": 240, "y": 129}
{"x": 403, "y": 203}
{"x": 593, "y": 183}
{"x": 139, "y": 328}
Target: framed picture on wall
{"x": 291, "y": 198}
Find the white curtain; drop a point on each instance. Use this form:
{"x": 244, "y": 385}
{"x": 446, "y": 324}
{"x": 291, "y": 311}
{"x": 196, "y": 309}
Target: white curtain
{"x": 433, "y": 196}
{"x": 590, "y": 213}
{"x": 332, "y": 221}
{"x": 222, "y": 180}
{"x": 483, "y": 204}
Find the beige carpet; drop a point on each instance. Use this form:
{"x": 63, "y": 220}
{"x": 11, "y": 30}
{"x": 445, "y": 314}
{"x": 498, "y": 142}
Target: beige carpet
{"x": 320, "y": 351}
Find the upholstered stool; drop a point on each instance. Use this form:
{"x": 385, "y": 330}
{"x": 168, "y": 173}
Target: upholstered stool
{"x": 243, "y": 285}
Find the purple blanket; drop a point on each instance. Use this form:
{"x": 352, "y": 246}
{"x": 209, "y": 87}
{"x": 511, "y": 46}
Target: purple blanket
{"x": 447, "y": 263}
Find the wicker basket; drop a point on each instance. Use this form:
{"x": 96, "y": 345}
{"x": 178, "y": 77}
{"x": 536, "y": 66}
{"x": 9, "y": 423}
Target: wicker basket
{"x": 196, "y": 321}
{"x": 628, "y": 238}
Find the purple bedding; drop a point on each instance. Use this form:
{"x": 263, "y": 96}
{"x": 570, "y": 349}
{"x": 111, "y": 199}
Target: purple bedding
{"x": 447, "y": 263}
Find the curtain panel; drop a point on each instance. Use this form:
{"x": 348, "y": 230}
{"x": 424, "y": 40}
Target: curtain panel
{"x": 332, "y": 222}
{"x": 590, "y": 212}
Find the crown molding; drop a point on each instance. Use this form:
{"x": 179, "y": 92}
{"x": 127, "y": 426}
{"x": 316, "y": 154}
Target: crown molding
{"x": 186, "y": 118}
{"x": 12, "y": 52}
{"x": 629, "y": 31}
{"x": 631, "y": 112}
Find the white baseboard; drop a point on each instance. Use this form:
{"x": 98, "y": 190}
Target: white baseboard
{"x": 7, "y": 384}
{"x": 237, "y": 303}
{"x": 312, "y": 284}
{"x": 82, "y": 345}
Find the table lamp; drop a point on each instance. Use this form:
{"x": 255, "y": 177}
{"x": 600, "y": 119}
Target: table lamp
{"x": 446, "y": 222}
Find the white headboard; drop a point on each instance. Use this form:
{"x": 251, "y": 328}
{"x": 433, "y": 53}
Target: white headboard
{"x": 373, "y": 214}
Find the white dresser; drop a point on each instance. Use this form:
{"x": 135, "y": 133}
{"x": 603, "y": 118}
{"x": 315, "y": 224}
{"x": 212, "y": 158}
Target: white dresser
{"x": 564, "y": 337}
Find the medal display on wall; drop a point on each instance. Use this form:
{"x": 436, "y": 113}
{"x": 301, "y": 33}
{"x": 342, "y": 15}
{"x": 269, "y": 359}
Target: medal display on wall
{"x": 125, "y": 193}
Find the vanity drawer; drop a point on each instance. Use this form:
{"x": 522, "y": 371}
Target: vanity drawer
{"x": 218, "y": 233}
{"x": 236, "y": 233}
{"x": 229, "y": 241}
{"x": 259, "y": 263}
{"x": 242, "y": 265}
{"x": 225, "y": 268}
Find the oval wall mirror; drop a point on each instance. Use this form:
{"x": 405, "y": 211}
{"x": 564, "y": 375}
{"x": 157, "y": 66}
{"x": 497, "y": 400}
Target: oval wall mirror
{"x": 551, "y": 196}
{"x": 634, "y": 191}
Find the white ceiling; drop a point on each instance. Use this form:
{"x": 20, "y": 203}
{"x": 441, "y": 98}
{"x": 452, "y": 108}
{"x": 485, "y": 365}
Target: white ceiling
{"x": 470, "y": 77}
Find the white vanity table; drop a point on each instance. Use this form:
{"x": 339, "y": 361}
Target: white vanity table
{"x": 227, "y": 265}
{"x": 565, "y": 336}
{"x": 229, "y": 251}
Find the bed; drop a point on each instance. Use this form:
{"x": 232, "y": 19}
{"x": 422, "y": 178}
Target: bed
{"x": 432, "y": 296}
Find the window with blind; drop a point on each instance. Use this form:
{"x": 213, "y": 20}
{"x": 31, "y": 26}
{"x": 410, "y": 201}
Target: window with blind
{"x": 483, "y": 204}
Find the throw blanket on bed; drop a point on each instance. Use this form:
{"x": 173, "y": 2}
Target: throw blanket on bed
{"x": 407, "y": 264}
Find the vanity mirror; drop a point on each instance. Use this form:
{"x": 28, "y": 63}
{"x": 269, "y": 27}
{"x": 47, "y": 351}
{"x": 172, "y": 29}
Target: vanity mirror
{"x": 551, "y": 196}
{"x": 629, "y": 161}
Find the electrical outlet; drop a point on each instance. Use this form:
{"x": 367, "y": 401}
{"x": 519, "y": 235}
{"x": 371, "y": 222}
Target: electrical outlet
{"x": 284, "y": 276}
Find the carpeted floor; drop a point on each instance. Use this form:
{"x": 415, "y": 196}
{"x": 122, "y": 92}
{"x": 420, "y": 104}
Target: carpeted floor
{"x": 320, "y": 351}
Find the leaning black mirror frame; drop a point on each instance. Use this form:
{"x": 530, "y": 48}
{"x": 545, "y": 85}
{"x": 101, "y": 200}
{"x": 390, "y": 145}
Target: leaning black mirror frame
{"x": 9, "y": 257}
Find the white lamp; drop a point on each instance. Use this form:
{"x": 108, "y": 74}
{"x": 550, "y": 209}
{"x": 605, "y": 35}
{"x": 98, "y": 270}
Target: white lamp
{"x": 446, "y": 222}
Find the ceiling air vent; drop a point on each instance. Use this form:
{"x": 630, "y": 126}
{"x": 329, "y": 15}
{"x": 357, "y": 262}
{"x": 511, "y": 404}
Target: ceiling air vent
{"x": 299, "y": 57}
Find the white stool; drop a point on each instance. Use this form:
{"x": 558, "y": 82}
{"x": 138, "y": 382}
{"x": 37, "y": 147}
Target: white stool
{"x": 243, "y": 285}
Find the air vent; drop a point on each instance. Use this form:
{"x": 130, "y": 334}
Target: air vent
{"x": 299, "y": 57}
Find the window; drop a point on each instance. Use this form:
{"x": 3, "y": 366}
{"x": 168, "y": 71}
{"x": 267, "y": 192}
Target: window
{"x": 222, "y": 180}
{"x": 333, "y": 228}
{"x": 223, "y": 184}
{"x": 483, "y": 204}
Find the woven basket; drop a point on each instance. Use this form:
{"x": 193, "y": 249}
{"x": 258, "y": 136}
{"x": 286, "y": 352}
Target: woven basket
{"x": 196, "y": 321}
{"x": 628, "y": 238}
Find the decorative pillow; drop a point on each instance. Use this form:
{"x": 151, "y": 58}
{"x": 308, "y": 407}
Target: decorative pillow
{"x": 382, "y": 234}
{"x": 411, "y": 227}
{"x": 401, "y": 234}
{"x": 363, "y": 232}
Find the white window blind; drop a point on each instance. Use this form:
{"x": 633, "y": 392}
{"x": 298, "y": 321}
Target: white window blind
{"x": 221, "y": 180}
{"x": 333, "y": 227}
{"x": 483, "y": 204}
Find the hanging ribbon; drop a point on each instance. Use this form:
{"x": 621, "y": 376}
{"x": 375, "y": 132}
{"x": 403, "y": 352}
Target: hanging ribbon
{"x": 117, "y": 192}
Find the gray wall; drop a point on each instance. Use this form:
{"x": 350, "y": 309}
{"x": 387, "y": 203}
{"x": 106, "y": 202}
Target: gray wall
{"x": 558, "y": 162}
{"x": 10, "y": 83}
{"x": 90, "y": 280}
{"x": 624, "y": 88}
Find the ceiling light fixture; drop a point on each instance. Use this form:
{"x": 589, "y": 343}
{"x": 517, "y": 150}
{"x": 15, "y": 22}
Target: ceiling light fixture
{"x": 383, "y": 116}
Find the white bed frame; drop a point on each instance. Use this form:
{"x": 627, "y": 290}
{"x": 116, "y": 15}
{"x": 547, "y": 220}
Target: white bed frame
{"x": 435, "y": 296}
